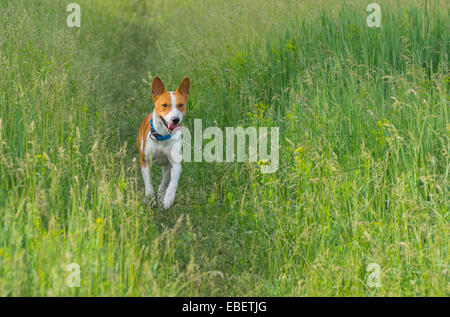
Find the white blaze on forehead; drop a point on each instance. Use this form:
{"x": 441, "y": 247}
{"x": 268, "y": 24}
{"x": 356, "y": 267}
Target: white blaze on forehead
{"x": 174, "y": 111}
{"x": 173, "y": 98}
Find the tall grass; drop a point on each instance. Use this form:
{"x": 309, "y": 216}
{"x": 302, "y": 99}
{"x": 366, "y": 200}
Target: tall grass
{"x": 363, "y": 177}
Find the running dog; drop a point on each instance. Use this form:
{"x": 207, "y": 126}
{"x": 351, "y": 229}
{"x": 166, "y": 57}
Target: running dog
{"x": 159, "y": 139}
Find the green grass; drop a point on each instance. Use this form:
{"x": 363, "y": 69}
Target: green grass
{"x": 364, "y": 149}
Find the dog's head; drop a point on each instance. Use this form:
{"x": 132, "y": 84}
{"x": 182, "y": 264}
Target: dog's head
{"x": 170, "y": 106}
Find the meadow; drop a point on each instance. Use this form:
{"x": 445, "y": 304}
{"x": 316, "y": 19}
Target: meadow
{"x": 364, "y": 148}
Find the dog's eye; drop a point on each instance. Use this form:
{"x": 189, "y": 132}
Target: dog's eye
{"x": 165, "y": 105}
{"x": 180, "y": 105}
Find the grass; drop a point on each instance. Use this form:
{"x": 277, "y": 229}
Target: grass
{"x": 364, "y": 149}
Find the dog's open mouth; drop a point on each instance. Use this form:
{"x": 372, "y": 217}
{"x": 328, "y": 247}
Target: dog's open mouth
{"x": 173, "y": 127}
{"x": 170, "y": 127}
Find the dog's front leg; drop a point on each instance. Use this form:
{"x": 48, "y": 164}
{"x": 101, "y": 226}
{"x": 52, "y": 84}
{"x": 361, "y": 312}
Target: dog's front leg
{"x": 164, "y": 183}
{"x": 169, "y": 197}
{"x": 147, "y": 181}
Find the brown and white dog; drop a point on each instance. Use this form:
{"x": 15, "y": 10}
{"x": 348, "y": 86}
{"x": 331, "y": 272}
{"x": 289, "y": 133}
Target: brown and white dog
{"x": 159, "y": 139}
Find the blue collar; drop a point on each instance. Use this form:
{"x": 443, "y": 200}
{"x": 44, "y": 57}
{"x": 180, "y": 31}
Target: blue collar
{"x": 156, "y": 135}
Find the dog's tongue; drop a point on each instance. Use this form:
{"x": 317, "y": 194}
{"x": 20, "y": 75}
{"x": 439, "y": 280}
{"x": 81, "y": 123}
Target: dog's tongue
{"x": 173, "y": 126}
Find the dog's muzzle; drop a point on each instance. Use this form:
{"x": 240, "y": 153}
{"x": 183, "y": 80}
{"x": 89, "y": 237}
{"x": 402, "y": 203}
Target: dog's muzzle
{"x": 172, "y": 127}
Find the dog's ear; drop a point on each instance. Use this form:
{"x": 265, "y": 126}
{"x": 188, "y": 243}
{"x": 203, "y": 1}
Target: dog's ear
{"x": 184, "y": 87}
{"x": 157, "y": 87}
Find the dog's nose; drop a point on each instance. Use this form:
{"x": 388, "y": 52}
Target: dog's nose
{"x": 175, "y": 120}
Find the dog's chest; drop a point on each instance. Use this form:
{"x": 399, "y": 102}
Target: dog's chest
{"x": 160, "y": 152}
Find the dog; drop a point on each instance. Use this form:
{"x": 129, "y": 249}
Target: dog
{"x": 159, "y": 139}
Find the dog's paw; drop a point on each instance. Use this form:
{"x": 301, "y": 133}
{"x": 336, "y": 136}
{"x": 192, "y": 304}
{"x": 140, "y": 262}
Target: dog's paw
{"x": 150, "y": 198}
{"x": 168, "y": 199}
{"x": 161, "y": 194}
{"x": 149, "y": 192}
